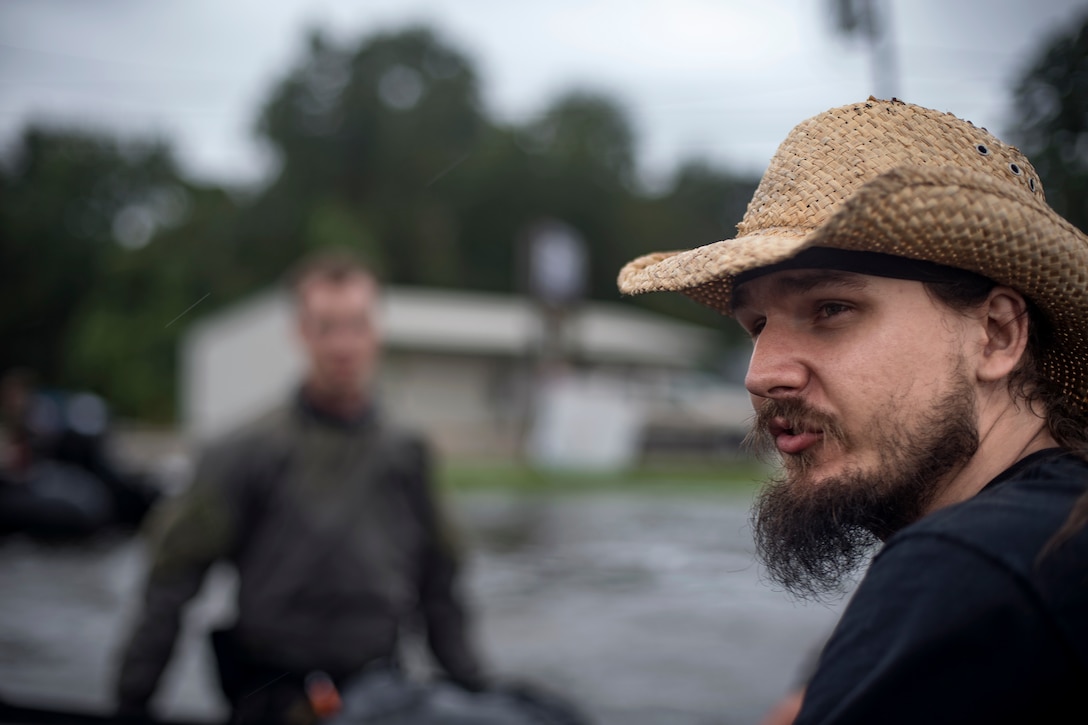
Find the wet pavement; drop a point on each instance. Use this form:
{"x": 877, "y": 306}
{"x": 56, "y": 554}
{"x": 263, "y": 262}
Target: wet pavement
{"x": 640, "y": 608}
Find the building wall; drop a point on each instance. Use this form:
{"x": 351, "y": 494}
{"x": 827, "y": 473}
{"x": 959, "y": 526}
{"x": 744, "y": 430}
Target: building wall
{"x": 234, "y": 369}
{"x": 469, "y": 404}
{"x": 473, "y": 399}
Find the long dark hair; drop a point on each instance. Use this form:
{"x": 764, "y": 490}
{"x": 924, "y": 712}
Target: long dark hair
{"x": 1066, "y": 419}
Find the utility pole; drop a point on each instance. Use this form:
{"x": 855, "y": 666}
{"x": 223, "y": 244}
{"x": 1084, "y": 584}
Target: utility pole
{"x": 555, "y": 270}
{"x": 871, "y": 20}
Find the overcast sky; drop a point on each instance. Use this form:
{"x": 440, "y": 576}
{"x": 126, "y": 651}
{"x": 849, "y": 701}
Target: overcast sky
{"x": 723, "y": 80}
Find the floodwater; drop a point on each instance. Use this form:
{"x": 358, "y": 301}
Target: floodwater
{"x": 640, "y": 608}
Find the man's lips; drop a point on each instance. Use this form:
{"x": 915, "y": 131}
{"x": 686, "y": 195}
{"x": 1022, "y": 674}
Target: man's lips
{"x": 790, "y": 440}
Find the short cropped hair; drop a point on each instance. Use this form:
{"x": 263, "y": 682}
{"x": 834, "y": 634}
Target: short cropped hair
{"x": 328, "y": 264}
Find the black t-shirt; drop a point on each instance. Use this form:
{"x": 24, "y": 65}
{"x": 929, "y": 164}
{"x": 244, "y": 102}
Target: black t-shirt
{"x": 963, "y": 618}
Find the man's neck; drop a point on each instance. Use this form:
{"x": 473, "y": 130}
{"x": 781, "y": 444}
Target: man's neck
{"x": 341, "y": 404}
{"x": 1007, "y": 434}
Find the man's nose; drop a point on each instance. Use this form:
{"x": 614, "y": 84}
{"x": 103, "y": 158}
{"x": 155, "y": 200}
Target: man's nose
{"x": 776, "y": 368}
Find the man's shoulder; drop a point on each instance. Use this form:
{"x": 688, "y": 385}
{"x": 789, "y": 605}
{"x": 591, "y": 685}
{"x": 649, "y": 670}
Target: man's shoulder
{"x": 268, "y": 428}
{"x": 272, "y": 422}
{"x": 1041, "y": 488}
{"x": 405, "y": 447}
{"x": 396, "y": 432}
{"x": 1013, "y": 518}
{"x": 399, "y": 434}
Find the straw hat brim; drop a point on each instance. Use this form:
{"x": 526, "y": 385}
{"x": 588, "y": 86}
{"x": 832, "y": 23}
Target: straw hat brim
{"x": 948, "y": 215}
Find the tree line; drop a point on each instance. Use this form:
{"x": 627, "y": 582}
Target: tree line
{"x": 108, "y": 252}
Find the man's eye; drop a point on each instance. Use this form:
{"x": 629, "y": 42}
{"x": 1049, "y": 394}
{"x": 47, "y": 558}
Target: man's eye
{"x": 750, "y": 324}
{"x": 831, "y": 309}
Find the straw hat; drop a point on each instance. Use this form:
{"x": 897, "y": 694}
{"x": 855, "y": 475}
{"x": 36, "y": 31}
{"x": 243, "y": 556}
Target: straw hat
{"x": 895, "y": 178}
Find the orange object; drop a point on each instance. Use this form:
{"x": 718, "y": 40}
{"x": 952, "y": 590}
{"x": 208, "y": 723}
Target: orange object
{"x": 323, "y": 695}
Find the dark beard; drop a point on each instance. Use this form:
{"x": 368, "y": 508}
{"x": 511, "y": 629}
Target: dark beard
{"x": 812, "y": 538}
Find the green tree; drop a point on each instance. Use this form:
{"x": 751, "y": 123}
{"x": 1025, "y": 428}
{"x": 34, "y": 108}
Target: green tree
{"x": 126, "y": 333}
{"x": 70, "y": 202}
{"x": 1051, "y": 122}
{"x": 583, "y": 159}
{"x": 363, "y": 138}
{"x": 701, "y": 206}
{"x": 107, "y": 255}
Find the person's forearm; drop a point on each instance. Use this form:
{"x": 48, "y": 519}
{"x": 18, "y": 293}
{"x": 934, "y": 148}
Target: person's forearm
{"x": 152, "y": 640}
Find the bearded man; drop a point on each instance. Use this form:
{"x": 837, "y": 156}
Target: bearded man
{"x": 919, "y": 319}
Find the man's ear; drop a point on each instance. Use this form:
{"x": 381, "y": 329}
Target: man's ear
{"x": 1005, "y": 316}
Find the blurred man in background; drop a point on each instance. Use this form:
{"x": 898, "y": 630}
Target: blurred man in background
{"x": 919, "y": 319}
{"x": 328, "y": 514}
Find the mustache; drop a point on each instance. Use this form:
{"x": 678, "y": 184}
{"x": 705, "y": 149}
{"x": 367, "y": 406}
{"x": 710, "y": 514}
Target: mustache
{"x": 801, "y": 417}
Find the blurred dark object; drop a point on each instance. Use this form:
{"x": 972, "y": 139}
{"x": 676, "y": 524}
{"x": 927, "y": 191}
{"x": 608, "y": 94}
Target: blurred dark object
{"x": 25, "y": 714}
{"x": 57, "y": 478}
{"x": 258, "y": 692}
{"x": 387, "y": 696}
{"x": 380, "y": 696}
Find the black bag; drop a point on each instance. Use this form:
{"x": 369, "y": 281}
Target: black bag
{"x": 257, "y": 691}
{"x": 393, "y": 698}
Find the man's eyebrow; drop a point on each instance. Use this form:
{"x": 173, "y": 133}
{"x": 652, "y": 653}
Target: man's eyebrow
{"x": 803, "y": 281}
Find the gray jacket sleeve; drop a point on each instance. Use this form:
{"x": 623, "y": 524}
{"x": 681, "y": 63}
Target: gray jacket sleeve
{"x": 184, "y": 536}
{"x": 442, "y": 602}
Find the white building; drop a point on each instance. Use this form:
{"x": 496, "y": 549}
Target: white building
{"x": 461, "y": 366}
